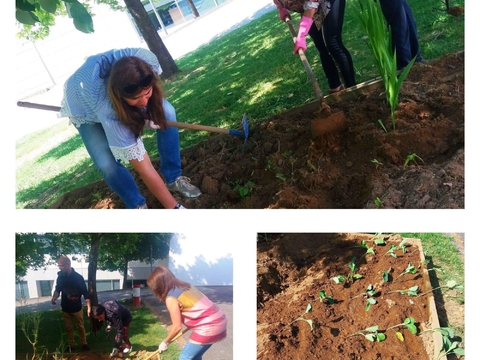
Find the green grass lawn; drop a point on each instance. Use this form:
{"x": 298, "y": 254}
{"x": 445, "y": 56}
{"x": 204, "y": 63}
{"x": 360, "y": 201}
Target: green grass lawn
{"x": 250, "y": 70}
{"x": 145, "y": 333}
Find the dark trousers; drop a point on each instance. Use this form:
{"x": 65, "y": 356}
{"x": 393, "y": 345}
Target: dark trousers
{"x": 399, "y": 16}
{"x": 328, "y": 41}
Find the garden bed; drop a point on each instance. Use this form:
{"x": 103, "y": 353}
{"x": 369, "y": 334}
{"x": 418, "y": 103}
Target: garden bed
{"x": 418, "y": 165}
{"x": 293, "y": 268}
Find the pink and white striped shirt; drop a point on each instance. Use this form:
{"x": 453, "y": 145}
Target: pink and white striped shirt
{"x": 206, "y": 320}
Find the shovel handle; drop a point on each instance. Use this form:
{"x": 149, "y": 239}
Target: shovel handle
{"x": 169, "y": 123}
{"x": 306, "y": 64}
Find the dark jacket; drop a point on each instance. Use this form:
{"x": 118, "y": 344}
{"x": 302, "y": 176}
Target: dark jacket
{"x": 117, "y": 316}
{"x": 72, "y": 288}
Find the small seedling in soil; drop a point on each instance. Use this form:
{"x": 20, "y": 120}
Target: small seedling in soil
{"x": 353, "y": 269}
{"x": 301, "y": 318}
{"x": 368, "y": 249}
{"x": 338, "y": 279}
{"x": 245, "y": 189}
{"x": 382, "y": 126}
{"x": 323, "y": 297}
{"x": 391, "y": 251}
{"x": 378, "y": 202}
{"x": 448, "y": 346}
{"x": 368, "y": 296}
{"x": 409, "y": 323}
{"x": 403, "y": 245}
{"x": 410, "y": 269}
{"x": 412, "y": 157}
{"x": 371, "y": 333}
{"x": 451, "y": 285}
{"x": 413, "y": 291}
{"x": 377, "y": 163}
{"x": 386, "y": 275}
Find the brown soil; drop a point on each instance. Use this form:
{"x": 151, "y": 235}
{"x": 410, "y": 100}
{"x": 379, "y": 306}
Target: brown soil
{"x": 293, "y": 268}
{"x": 92, "y": 355}
{"x": 363, "y": 167}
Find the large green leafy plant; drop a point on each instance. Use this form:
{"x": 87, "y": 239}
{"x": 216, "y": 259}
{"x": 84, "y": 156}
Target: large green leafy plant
{"x": 379, "y": 35}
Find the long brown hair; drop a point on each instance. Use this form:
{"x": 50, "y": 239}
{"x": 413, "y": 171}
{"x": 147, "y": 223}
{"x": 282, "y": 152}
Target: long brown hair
{"x": 130, "y": 70}
{"x": 162, "y": 280}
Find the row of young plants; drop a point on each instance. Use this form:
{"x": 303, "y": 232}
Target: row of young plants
{"x": 370, "y": 294}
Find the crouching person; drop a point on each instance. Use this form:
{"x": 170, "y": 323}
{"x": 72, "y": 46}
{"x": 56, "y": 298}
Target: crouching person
{"x": 118, "y": 317}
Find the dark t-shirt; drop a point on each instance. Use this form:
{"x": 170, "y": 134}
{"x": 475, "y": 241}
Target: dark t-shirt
{"x": 72, "y": 288}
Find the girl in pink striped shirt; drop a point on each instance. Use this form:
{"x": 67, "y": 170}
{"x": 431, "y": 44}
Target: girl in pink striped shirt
{"x": 188, "y": 306}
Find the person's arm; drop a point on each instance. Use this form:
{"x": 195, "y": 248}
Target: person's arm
{"x": 55, "y": 296}
{"x": 283, "y": 13}
{"x": 173, "y": 307}
{"x": 89, "y": 307}
{"x": 303, "y": 29}
{"x": 154, "y": 182}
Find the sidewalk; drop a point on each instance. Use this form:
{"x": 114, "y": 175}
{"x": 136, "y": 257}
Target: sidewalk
{"x": 220, "y": 295}
{"x": 187, "y": 38}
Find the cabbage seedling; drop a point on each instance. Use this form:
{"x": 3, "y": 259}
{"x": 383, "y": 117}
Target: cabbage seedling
{"x": 353, "y": 269}
{"x": 338, "y": 279}
{"x": 371, "y": 334}
{"x": 413, "y": 291}
{"x": 391, "y": 251}
{"x": 368, "y": 296}
{"x": 451, "y": 285}
{"x": 301, "y": 318}
{"x": 323, "y": 297}
{"x": 448, "y": 346}
{"x": 409, "y": 323}
{"x": 410, "y": 269}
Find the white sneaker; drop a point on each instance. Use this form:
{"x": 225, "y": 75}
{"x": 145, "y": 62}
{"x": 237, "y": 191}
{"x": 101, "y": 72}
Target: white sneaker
{"x": 127, "y": 350}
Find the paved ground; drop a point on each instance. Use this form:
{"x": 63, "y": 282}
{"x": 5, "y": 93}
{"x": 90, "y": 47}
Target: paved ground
{"x": 179, "y": 41}
{"x": 221, "y": 295}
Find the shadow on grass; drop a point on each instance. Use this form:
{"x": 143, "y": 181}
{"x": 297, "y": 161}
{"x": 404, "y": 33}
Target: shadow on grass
{"x": 46, "y": 192}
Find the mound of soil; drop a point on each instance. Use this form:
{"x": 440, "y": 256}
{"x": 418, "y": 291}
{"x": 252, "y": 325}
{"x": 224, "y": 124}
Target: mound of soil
{"x": 418, "y": 165}
{"x": 293, "y": 268}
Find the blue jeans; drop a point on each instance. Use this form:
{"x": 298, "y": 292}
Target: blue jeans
{"x": 193, "y": 351}
{"x": 399, "y": 16}
{"x": 117, "y": 177}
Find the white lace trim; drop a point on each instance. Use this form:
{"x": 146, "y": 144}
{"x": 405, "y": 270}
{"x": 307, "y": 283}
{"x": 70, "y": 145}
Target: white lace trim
{"x": 78, "y": 121}
{"x": 134, "y": 152}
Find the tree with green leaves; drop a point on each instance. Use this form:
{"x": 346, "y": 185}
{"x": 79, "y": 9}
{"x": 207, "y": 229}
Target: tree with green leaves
{"x": 37, "y": 16}
{"x": 118, "y": 251}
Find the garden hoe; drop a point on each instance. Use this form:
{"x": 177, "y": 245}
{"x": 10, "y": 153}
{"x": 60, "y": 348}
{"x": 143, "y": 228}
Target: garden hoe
{"x": 156, "y": 352}
{"x": 180, "y": 125}
{"x": 328, "y": 122}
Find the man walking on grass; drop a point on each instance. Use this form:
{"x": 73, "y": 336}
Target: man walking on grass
{"x": 72, "y": 286}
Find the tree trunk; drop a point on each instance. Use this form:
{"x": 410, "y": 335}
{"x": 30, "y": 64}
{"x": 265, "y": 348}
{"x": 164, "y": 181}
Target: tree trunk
{"x": 125, "y": 275}
{"x": 193, "y": 8}
{"x": 153, "y": 40}
{"x": 95, "y": 325}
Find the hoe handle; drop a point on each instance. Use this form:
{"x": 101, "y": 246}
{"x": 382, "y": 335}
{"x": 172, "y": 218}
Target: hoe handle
{"x": 306, "y": 64}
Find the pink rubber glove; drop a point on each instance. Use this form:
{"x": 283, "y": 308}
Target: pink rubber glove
{"x": 301, "y": 42}
{"x": 283, "y": 13}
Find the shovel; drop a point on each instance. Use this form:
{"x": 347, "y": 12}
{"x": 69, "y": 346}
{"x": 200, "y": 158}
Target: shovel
{"x": 328, "y": 122}
{"x": 180, "y": 125}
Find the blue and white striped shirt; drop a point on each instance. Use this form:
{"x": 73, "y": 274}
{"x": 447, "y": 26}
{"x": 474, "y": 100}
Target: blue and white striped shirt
{"x": 86, "y": 100}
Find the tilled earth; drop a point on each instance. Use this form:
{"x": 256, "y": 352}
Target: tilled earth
{"x": 293, "y": 268}
{"x": 419, "y": 165}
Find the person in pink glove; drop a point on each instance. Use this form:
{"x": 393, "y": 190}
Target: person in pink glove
{"x": 323, "y": 21}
